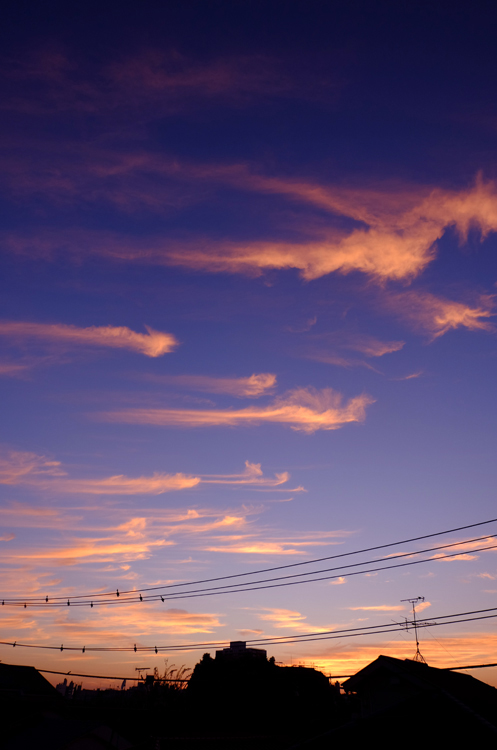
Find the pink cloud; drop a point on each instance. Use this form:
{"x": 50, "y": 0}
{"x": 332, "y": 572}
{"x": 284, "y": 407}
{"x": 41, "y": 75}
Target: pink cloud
{"x": 380, "y": 608}
{"x": 290, "y": 620}
{"x": 18, "y": 466}
{"x": 303, "y": 409}
{"x": 152, "y": 344}
{"x": 397, "y": 226}
{"x": 120, "y": 484}
{"x": 252, "y": 475}
{"x": 29, "y": 469}
{"x": 437, "y": 315}
{"x": 335, "y": 347}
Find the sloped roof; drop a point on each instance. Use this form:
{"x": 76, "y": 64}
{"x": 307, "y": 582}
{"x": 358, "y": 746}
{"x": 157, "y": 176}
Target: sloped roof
{"x": 25, "y": 680}
{"x": 463, "y": 688}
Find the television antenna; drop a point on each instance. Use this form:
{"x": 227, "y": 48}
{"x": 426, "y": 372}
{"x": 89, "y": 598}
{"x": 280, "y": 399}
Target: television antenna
{"x": 414, "y": 623}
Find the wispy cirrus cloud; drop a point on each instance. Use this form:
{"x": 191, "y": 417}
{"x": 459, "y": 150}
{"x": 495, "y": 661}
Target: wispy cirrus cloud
{"x": 13, "y": 369}
{"x": 382, "y": 608}
{"x": 121, "y": 535}
{"x": 395, "y": 239}
{"x": 303, "y": 409}
{"x": 19, "y": 466}
{"x": 148, "y": 84}
{"x": 271, "y": 544}
{"x": 252, "y": 475}
{"x": 392, "y": 233}
{"x": 467, "y": 550}
{"x": 289, "y": 620}
{"x": 156, "y": 484}
{"x": 253, "y": 386}
{"x": 152, "y": 344}
{"x": 32, "y": 470}
{"x": 332, "y": 348}
{"x": 436, "y": 315}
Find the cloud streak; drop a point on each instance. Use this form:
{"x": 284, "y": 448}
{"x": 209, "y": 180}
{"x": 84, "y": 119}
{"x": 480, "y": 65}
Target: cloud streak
{"x": 332, "y": 352}
{"x": 303, "y": 409}
{"x": 437, "y": 316}
{"x": 148, "y": 85}
{"x": 254, "y": 386}
{"x": 152, "y": 344}
{"x": 392, "y": 234}
{"x": 29, "y": 469}
{"x": 252, "y": 475}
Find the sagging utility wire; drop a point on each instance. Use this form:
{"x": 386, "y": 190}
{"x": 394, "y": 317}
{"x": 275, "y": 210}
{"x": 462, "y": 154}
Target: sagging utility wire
{"x": 97, "y": 595}
{"x": 371, "y": 630}
{"x": 271, "y": 582}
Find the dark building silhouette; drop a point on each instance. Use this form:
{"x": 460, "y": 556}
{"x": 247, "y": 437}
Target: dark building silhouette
{"x": 242, "y": 693}
{"x": 238, "y": 650}
{"x": 389, "y": 682}
{"x": 404, "y": 702}
{"x": 25, "y": 682}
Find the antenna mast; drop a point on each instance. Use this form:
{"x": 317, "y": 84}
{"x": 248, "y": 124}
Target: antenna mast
{"x": 418, "y": 655}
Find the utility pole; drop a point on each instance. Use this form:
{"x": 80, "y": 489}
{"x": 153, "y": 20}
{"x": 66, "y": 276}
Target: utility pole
{"x": 417, "y": 656}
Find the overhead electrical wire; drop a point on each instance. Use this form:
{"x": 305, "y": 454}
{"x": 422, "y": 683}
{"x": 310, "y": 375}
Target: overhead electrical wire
{"x": 385, "y": 628}
{"x": 98, "y": 595}
{"x": 261, "y": 584}
{"x": 161, "y": 679}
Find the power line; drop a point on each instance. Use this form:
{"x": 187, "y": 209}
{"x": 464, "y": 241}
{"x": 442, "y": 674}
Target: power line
{"x": 371, "y": 630}
{"x": 256, "y": 585}
{"x": 140, "y": 679}
{"x": 447, "y": 669}
{"x": 97, "y": 595}
{"x": 103, "y": 677}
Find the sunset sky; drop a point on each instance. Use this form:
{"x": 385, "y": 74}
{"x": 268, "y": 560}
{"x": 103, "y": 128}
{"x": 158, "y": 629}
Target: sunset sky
{"x": 248, "y": 319}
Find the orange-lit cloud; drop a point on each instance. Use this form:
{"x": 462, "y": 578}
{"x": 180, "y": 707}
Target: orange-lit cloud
{"x": 437, "y": 315}
{"x": 29, "y": 469}
{"x": 122, "y": 535}
{"x": 396, "y": 240}
{"x": 252, "y": 475}
{"x": 456, "y": 649}
{"x": 91, "y": 550}
{"x": 393, "y": 237}
{"x": 252, "y": 387}
{"x": 254, "y": 547}
{"x": 332, "y": 348}
{"x": 122, "y": 485}
{"x": 466, "y": 550}
{"x": 108, "y": 626}
{"x": 369, "y": 346}
{"x": 290, "y": 619}
{"x": 18, "y": 466}
{"x": 412, "y": 376}
{"x": 381, "y": 608}
{"x": 152, "y": 344}
{"x": 271, "y": 544}
{"x": 303, "y": 409}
